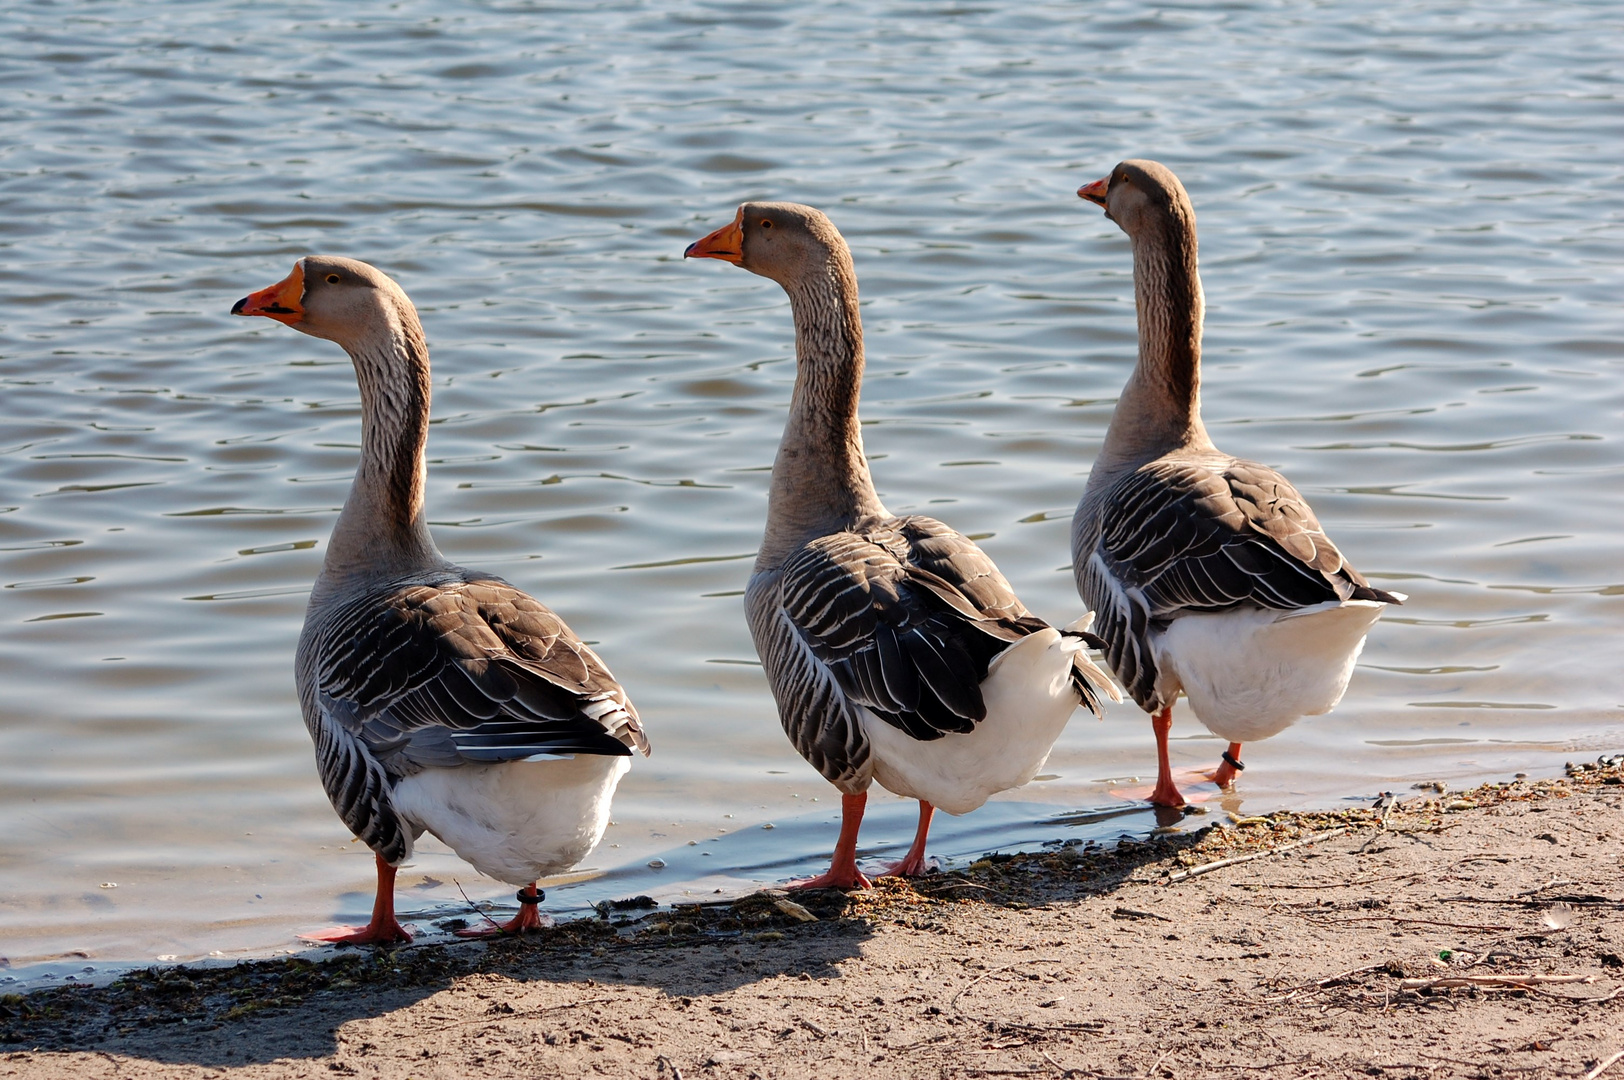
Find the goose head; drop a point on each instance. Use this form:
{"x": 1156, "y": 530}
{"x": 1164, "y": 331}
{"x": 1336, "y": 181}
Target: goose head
{"x": 341, "y": 300}
{"x": 786, "y": 242}
{"x": 1140, "y": 196}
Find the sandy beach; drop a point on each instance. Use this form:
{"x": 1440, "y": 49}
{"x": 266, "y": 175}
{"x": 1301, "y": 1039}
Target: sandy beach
{"x": 1444, "y": 934}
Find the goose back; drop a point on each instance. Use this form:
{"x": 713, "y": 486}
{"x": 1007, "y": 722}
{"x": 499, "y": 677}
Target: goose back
{"x": 1198, "y": 533}
{"x": 441, "y": 670}
{"x": 898, "y": 616}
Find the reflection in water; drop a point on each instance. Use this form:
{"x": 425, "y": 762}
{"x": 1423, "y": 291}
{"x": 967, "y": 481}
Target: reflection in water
{"x": 1409, "y": 249}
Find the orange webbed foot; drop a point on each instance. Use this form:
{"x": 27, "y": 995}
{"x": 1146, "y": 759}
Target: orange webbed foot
{"x": 911, "y": 866}
{"x": 388, "y": 933}
{"x": 845, "y": 879}
{"x": 1228, "y": 768}
{"x": 528, "y": 920}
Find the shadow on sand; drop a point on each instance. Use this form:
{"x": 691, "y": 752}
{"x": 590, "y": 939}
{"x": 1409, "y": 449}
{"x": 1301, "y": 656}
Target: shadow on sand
{"x": 262, "y": 1011}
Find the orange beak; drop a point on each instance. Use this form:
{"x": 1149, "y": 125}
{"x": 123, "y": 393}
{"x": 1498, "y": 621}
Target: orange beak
{"x": 280, "y": 302}
{"x": 1095, "y": 192}
{"x": 726, "y": 243}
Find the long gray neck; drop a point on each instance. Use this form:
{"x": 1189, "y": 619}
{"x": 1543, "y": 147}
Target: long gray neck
{"x": 381, "y": 529}
{"x": 820, "y": 480}
{"x": 1160, "y": 407}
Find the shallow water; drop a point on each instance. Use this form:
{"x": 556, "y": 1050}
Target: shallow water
{"x": 1410, "y": 231}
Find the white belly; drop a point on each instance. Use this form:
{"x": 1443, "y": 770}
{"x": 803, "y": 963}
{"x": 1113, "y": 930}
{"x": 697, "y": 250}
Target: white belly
{"x": 1251, "y": 672}
{"x": 1029, "y": 698}
{"x": 518, "y": 820}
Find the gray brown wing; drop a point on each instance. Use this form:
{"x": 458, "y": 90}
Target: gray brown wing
{"x": 822, "y": 723}
{"x": 955, "y": 561}
{"x": 1177, "y": 537}
{"x": 901, "y": 617}
{"x": 463, "y": 668}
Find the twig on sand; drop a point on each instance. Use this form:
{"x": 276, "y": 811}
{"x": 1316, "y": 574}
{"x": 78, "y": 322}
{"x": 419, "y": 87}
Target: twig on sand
{"x": 1604, "y": 1066}
{"x": 1207, "y": 868}
{"x": 1130, "y": 913}
{"x": 1510, "y": 982}
{"x": 1165, "y": 1055}
{"x": 1329, "y": 981}
{"x": 1405, "y": 919}
{"x": 517, "y": 1014}
{"x": 1571, "y": 899}
{"x": 934, "y": 889}
{"x": 1478, "y": 1065}
{"x": 666, "y": 1063}
{"x": 989, "y": 974}
{"x": 1324, "y": 885}
{"x": 474, "y": 907}
{"x": 1592, "y": 1001}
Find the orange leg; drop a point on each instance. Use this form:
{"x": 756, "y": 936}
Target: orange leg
{"x": 528, "y": 918}
{"x": 1166, "y": 793}
{"x": 913, "y": 863}
{"x": 383, "y": 929}
{"x": 843, "y": 872}
{"x": 1224, "y": 774}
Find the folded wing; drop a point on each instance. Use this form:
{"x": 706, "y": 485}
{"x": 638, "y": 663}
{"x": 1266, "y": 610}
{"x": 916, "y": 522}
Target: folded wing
{"x": 448, "y": 672}
{"x": 1180, "y": 536}
{"x": 902, "y": 617}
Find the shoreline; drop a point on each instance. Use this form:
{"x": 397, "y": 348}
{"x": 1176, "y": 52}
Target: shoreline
{"x": 1440, "y": 934}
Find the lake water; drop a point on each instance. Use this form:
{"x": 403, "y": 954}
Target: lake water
{"x": 1411, "y": 234}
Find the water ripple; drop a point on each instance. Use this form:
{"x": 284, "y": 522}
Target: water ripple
{"x": 1409, "y": 244}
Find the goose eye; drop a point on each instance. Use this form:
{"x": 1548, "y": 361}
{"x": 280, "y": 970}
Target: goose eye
{"x": 333, "y": 279}
{"x": 766, "y": 224}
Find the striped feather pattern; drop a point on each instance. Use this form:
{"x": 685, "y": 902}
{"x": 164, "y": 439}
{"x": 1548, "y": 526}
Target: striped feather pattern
{"x": 448, "y": 668}
{"x": 901, "y": 616}
{"x": 1181, "y": 535}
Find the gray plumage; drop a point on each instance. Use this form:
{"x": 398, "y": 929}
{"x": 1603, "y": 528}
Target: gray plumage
{"x": 853, "y": 608}
{"x": 1169, "y": 524}
{"x": 1181, "y": 535}
{"x": 441, "y": 670}
{"x": 408, "y": 662}
{"x": 898, "y": 615}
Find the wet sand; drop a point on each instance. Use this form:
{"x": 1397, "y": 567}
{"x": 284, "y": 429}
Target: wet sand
{"x": 1471, "y": 934}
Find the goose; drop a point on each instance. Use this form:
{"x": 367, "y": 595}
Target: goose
{"x": 895, "y": 650}
{"x": 1208, "y": 573}
{"x": 440, "y": 699}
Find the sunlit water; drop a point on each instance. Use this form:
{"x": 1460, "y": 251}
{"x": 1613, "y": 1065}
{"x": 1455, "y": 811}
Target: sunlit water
{"x": 1410, "y": 227}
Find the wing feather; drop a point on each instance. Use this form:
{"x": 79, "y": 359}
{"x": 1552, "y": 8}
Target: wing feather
{"x": 903, "y": 616}
{"x": 1178, "y": 536}
{"x": 435, "y": 674}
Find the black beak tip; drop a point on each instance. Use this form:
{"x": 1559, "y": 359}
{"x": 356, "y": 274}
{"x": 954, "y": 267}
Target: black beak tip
{"x": 237, "y": 308}
{"x": 688, "y": 252}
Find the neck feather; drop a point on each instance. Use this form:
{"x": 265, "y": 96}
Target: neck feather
{"x": 382, "y": 528}
{"x": 821, "y": 481}
{"x": 1160, "y": 407}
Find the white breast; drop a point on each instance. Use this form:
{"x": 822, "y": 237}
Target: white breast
{"x": 1029, "y": 697}
{"x": 1251, "y": 672}
{"x": 518, "y": 820}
